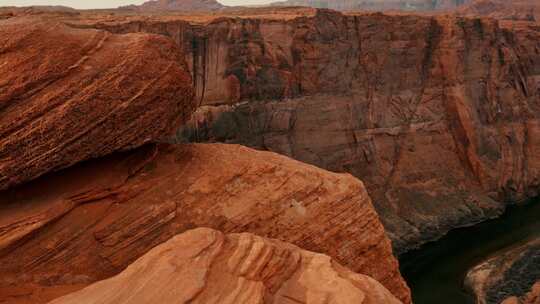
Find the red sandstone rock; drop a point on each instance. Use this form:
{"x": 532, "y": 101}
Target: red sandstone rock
{"x": 437, "y": 115}
{"x": 210, "y": 267}
{"x": 89, "y": 222}
{"x": 69, "y": 94}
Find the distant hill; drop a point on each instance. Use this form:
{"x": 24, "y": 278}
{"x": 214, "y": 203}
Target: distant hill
{"x": 177, "y": 5}
{"x": 376, "y": 4}
{"x": 528, "y": 10}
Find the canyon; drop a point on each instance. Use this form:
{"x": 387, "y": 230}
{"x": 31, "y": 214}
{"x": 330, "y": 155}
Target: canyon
{"x": 260, "y": 154}
{"x": 438, "y": 115}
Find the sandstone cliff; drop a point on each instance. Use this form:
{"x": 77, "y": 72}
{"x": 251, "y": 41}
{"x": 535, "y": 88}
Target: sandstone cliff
{"x": 89, "y": 222}
{"x": 210, "y": 267}
{"x": 67, "y": 94}
{"x": 437, "y": 115}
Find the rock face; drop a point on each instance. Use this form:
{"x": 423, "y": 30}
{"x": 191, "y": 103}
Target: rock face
{"x": 179, "y": 5}
{"x": 89, "y": 222}
{"x": 69, "y": 94}
{"x": 206, "y": 266}
{"x": 509, "y": 273}
{"x": 439, "y": 116}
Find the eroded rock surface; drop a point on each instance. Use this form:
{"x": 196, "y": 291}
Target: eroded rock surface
{"x": 206, "y": 266}
{"x": 89, "y": 222}
{"x": 508, "y": 273}
{"x": 68, "y": 94}
{"x": 439, "y": 116}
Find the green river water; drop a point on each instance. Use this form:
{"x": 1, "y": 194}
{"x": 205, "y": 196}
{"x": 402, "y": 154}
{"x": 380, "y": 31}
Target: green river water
{"x": 435, "y": 272}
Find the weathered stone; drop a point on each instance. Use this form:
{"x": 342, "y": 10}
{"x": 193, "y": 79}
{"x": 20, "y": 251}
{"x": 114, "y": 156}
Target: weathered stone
{"x": 206, "y": 266}
{"x": 68, "y": 94}
{"x": 89, "y": 222}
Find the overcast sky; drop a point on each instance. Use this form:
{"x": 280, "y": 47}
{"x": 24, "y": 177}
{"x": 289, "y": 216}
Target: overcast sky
{"x": 107, "y": 3}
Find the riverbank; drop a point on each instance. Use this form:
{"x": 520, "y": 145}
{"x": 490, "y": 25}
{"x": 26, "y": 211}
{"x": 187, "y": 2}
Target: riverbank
{"x": 436, "y": 271}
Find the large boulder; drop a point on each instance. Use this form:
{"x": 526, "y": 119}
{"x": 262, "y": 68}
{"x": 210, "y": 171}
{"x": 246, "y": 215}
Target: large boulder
{"x": 68, "y": 94}
{"x": 206, "y": 266}
{"x": 89, "y": 222}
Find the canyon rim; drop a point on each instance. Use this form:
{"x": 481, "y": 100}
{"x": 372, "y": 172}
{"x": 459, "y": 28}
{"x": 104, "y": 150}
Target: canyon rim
{"x": 186, "y": 151}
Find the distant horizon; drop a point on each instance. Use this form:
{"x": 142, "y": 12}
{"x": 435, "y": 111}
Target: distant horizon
{"x": 97, "y": 4}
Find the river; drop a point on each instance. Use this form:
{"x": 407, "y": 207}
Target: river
{"x": 435, "y": 272}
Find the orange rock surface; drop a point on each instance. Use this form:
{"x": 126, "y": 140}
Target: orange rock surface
{"x": 206, "y": 266}
{"x": 68, "y": 94}
{"x": 89, "y": 222}
{"x": 438, "y": 115}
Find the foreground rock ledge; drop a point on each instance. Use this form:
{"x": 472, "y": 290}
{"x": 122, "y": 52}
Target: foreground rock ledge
{"x": 206, "y": 266}
{"x": 89, "y": 222}
{"x": 68, "y": 95}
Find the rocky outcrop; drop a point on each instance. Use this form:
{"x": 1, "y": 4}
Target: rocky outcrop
{"x": 89, "y": 222}
{"x": 68, "y": 94}
{"x": 438, "y": 116}
{"x": 177, "y": 5}
{"x": 509, "y": 273}
{"x": 210, "y": 267}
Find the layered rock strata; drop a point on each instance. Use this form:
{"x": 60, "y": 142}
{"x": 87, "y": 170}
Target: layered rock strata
{"x": 206, "y": 266}
{"x": 89, "y": 222}
{"x": 437, "y": 115}
{"x": 68, "y": 94}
